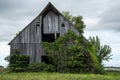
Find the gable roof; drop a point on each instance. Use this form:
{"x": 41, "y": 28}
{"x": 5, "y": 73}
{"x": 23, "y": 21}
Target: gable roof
{"x": 48, "y": 7}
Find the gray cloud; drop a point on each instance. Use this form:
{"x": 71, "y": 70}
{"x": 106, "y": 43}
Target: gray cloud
{"x": 17, "y": 8}
{"x": 110, "y": 18}
{"x": 85, "y": 8}
{"x": 15, "y": 15}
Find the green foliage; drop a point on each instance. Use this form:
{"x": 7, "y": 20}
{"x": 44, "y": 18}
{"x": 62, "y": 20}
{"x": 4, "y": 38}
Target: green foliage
{"x": 2, "y": 69}
{"x": 77, "y": 21}
{"x": 58, "y": 76}
{"x": 72, "y": 53}
{"x": 17, "y": 62}
{"x": 102, "y": 51}
{"x": 40, "y": 66}
{"x": 67, "y": 15}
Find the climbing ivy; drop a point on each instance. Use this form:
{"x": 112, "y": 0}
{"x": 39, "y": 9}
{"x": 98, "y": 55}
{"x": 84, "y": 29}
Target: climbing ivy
{"x": 72, "y": 53}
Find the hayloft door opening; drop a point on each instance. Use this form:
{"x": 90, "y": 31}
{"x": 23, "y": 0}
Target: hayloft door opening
{"x": 49, "y": 37}
{"x": 50, "y": 29}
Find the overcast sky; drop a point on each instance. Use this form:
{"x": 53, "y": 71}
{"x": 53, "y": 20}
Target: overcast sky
{"x": 102, "y": 18}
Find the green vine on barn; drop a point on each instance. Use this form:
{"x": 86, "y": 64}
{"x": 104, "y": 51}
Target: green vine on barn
{"x": 72, "y": 53}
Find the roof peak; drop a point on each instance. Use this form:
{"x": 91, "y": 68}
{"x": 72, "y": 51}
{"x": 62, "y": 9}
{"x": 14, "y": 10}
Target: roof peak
{"x": 49, "y": 2}
{"x": 49, "y": 7}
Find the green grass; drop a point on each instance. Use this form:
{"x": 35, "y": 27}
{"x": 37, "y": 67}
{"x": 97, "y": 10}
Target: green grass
{"x": 59, "y": 76}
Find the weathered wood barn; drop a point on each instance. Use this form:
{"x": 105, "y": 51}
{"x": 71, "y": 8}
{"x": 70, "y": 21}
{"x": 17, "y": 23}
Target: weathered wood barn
{"x": 47, "y": 26}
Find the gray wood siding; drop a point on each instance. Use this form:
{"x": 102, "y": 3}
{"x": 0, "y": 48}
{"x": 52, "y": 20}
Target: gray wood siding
{"x": 28, "y": 41}
{"x": 50, "y": 23}
{"x": 68, "y": 26}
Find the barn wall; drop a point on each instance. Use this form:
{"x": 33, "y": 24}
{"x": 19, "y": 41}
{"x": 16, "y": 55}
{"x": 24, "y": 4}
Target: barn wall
{"x": 28, "y": 41}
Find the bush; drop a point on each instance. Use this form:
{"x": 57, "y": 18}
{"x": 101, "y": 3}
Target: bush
{"x": 50, "y": 68}
{"x": 2, "y": 69}
{"x": 100, "y": 70}
{"x": 40, "y": 66}
{"x": 18, "y": 62}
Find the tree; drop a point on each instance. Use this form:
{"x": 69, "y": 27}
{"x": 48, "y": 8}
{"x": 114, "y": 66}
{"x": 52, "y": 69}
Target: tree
{"x": 77, "y": 21}
{"x": 102, "y": 51}
{"x": 72, "y": 53}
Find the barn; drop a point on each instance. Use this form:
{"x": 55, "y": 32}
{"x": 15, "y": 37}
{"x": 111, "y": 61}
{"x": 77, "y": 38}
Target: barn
{"x": 46, "y": 27}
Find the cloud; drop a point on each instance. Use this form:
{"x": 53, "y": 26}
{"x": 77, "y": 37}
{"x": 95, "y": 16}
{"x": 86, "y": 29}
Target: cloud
{"x": 108, "y": 38}
{"x": 4, "y": 49}
{"x": 4, "y": 52}
{"x": 4, "y": 63}
{"x": 110, "y": 19}
{"x": 82, "y": 7}
{"x": 105, "y": 18}
{"x": 114, "y": 63}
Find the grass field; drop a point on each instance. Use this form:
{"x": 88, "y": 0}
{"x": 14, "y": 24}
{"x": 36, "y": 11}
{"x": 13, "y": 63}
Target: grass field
{"x": 58, "y": 76}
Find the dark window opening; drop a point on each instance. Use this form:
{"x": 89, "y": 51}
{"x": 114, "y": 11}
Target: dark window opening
{"x": 49, "y": 37}
{"x": 63, "y": 24}
{"x": 37, "y": 24}
{"x": 58, "y": 35}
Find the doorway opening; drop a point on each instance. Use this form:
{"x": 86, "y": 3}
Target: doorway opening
{"x": 46, "y": 59}
{"x": 49, "y": 37}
